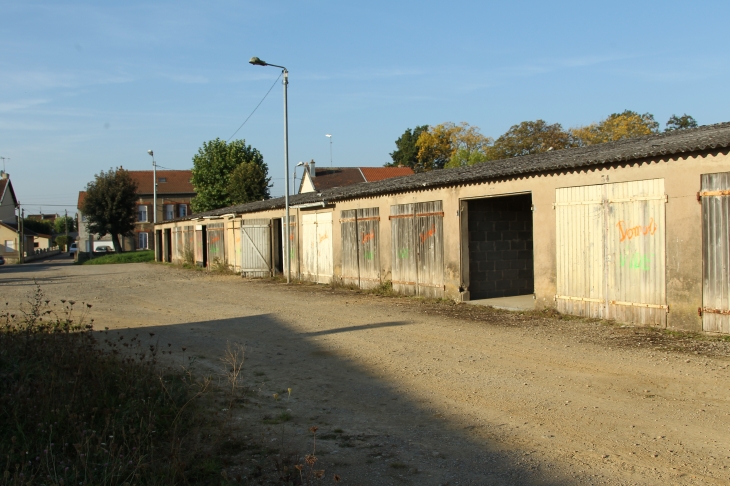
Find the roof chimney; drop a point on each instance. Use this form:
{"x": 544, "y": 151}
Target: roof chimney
{"x": 4, "y": 175}
{"x": 311, "y": 169}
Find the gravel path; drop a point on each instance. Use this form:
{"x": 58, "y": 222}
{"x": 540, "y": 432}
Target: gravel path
{"x": 411, "y": 392}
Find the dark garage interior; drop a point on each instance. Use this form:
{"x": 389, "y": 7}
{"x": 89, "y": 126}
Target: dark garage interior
{"x": 500, "y": 247}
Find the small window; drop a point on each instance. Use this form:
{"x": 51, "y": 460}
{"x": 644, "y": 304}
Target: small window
{"x": 9, "y": 245}
{"x": 169, "y": 211}
{"x": 142, "y": 243}
{"x": 142, "y": 214}
{"x": 182, "y": 210}
{"x": 162, "y": 179}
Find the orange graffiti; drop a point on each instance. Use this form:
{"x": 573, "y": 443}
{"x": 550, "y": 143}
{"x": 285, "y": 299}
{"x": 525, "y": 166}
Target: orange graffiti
{"x": 368, "y": 237}
{"x": 428, "y": 234}
{"x": 633, "y": 232}
{"x": 323, "y": 237}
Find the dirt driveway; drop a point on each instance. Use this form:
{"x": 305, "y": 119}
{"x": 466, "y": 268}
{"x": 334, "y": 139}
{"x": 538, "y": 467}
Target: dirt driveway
{"x": 406, "y": 393}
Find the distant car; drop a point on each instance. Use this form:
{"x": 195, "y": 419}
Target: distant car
{"x": 104, "y": 249}
{"x": 72, "y": 249}
{"x": 2, "y": 261}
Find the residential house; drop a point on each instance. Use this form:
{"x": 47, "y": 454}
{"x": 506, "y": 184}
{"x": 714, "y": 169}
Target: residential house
{"x": 174, "y": 193}
{"x": 317, "y": 179}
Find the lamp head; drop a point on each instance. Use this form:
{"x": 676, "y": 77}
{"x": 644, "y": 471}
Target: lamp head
{"x": 257, "y": 62}
{"x": 300, "y": 164}
{"x": 328, "y": 136}
{"x": 151, "y": 153}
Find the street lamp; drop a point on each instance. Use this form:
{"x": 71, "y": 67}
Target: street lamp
{"x": 285, "y": 81}
{"x": 295, "y": 174}
{"x": 330, "y": 137}
{"x": 154, "y": 187}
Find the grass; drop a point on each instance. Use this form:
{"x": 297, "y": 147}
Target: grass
{"x": 127, "y": 257}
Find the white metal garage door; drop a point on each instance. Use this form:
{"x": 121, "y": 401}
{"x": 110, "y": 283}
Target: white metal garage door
{"x": 610, "y": 244}
{"x": 317, "y": 247}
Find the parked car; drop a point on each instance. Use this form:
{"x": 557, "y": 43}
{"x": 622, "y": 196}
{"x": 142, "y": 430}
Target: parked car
{"x": 2, "y": 261}
{"x": 104, "y": 249}
{"x": 72, "y": 249}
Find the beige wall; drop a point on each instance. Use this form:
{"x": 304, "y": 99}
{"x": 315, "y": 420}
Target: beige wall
{"x": 7, "y": 210}
{"x": 683, "y": 225}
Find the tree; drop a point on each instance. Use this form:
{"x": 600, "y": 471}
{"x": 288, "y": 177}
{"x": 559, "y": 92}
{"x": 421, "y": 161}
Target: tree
{"x": 469, "y": 146}
{"x": 248, "y": 182}
{"x": 406, "y": 152}
{"x": 529, "y": 137}
{"x": 110, "y": 205}
{"x": 617, "y": 126}
{"x": 213, "y": 167}
{"x": 61, "y": 223}
{"x": 680, "y": 123}
{"x": 44, "y": 226}
{"x": 62, "y": 241}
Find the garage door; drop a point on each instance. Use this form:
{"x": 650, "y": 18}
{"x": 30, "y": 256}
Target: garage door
{"x": 256, "y": 248}
{"x": 610, "y": 244}
{"x": 360, "y": 230}
{"x": 715, "y": 196}
{"x": 317, "y": 247}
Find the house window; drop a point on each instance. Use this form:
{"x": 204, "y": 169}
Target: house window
{"x": 9, "y": 245}
{"x": 142, "y": 243}
{"x": 169, "y": 211}
{"x": 142, "y": 214}
{"x": 182, "y": 210}
{"x": 163, "y": 179}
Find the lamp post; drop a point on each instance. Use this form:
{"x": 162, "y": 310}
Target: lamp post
{"x": 295, "y": 174}
{"x": 330, "y": 137}
{"x": 285, "y": 81}
{"x": 154, "y": 187}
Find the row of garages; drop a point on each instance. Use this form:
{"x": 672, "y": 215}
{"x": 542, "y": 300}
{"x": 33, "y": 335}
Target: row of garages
{"x": 635, "y": 231}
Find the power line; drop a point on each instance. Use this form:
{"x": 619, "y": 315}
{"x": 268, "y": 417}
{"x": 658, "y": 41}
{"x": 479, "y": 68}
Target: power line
{"x": 257, "y": 107}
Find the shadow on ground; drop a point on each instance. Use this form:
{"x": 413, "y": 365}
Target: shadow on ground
{"x": 386, "y": 436}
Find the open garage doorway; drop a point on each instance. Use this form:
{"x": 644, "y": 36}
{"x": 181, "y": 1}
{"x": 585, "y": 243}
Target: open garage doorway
{"x": 500, "y": 256}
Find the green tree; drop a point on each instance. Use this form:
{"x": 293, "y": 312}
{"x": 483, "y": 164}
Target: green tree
{"x": 529, "y": 137}
{"x": 60, "y": 224}
{"x": 406, "y": 152}
{"x": 248, "y": 182}
{"x": 44, "y": 227}
{"x": 110, "y": 205}
{"x": 62, "y": 241}
{"x": 213, "y": 166}
{"x": 680, "y": 123}
{"x": 469, "y": 146}
{"x": 617, "y": 126}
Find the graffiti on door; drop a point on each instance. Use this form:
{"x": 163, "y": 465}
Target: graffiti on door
{"x": 628, "y": 233}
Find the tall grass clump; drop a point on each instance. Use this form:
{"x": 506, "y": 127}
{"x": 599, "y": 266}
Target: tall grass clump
{"x": 81, "y": 407}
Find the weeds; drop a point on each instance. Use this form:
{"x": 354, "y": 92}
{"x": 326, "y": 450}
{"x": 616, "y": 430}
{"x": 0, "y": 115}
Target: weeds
{"x": 219, "y": 266}
{"x": 126, "y": 257}
{"x": 77, "y": 411}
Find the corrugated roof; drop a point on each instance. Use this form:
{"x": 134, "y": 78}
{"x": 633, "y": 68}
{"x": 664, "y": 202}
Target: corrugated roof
{"x": 661, "y": 145}
{"x": 374, "y": 174}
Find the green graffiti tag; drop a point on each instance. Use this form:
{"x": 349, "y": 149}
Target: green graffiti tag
{"x": 368, "y": 255}
{"x": 403, "y": 253}
{"x": 637, "y": 261}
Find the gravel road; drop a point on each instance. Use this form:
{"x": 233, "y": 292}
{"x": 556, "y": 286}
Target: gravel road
{"x": 412, "y": 392}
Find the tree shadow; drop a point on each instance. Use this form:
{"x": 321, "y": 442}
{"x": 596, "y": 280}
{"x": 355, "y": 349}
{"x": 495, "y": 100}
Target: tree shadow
{"x": 387, "y": 435}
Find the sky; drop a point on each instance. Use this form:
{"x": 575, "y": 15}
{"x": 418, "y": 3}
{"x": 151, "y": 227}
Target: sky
{"x": 87, "y": 86}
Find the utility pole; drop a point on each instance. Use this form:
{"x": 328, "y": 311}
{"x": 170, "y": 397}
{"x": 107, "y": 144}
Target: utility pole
{"x": 65, "y": 223}
{"x": 22, "y": 236}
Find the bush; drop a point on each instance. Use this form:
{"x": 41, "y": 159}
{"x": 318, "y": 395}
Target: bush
{"x": 63, "y": 240}
{"x": 80, "y": 411}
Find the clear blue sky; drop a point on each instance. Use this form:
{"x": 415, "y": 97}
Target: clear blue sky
{"x": 85, "y": 86}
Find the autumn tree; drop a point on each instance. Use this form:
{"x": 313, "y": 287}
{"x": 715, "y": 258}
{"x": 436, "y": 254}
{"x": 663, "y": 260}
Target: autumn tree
{"x": 110, "y": 205}
{"x": 406, "y": 152}
{"x": 435, "y": 147}
{"x": 617, "y": 126}
{"x": 529, "y": 137}
{"x": 680, "y": 123}
{"x": 469, "y": 146}
{"x": 213, "y": 168}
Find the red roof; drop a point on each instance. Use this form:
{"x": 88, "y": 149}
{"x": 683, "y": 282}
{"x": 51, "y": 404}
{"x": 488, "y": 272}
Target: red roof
{"x": 168, "y": 181}
{"x": 82, "y": 196}
{"x": 373, "y": 174}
